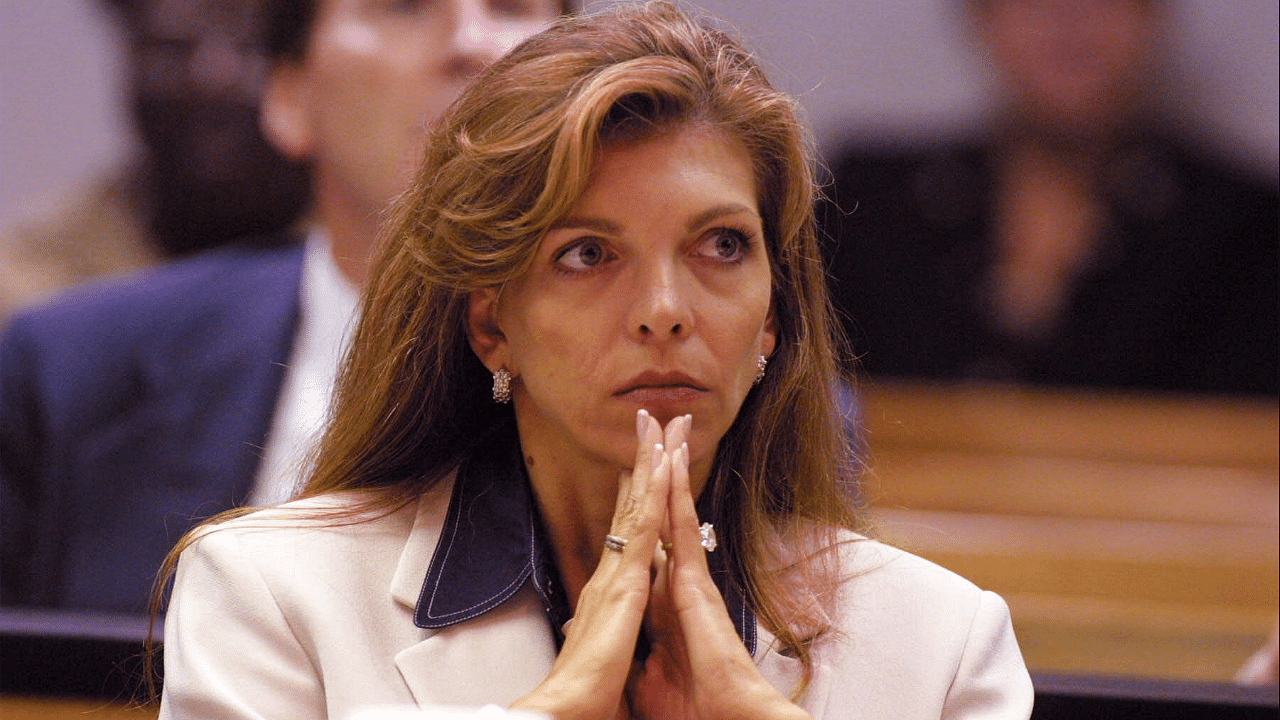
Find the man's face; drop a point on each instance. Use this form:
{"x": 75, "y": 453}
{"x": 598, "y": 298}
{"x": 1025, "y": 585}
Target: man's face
{"x": 376, "y": 73}
{"x": 197, "y": 69}
{"x": 1071, "y": 66}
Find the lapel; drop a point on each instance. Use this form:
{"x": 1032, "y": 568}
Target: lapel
{"x": 496, "y": 657}
{"x": 783, "y": 672}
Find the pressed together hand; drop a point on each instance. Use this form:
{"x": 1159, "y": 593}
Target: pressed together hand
{"x": 659, "y": 583}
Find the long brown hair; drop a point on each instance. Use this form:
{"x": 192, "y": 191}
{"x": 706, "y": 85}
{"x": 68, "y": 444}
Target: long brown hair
{"x": 507, "y": 161}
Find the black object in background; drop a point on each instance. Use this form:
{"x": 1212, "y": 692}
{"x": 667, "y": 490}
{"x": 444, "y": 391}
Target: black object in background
{"x": 1081, "y": 697}
{"x": 73, "y": 655}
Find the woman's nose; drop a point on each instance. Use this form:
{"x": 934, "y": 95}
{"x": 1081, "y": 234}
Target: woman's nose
{"x": 664, "y": 307}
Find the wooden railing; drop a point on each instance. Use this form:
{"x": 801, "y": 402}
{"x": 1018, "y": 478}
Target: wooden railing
{"x": 1131, "y": 535}
{"x": 52, "y": 708}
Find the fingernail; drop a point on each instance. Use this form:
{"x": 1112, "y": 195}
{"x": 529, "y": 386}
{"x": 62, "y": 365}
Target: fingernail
{"x": 642, "y": 416}
{"x": 658, "y": 450}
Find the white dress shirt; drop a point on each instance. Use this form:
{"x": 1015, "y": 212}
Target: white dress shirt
{"x": 327, "y": 312}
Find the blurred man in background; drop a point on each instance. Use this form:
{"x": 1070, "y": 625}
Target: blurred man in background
{"x": 132, "y": 410}
{"x": 204, "y": 174}
{"x": 1078, "y": 243}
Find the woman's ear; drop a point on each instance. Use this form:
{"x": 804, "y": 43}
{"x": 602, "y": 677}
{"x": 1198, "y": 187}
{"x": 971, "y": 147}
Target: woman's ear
{"x": 769, "y": 335}
{"x": 285, "y": 111}
{"x": 487, "y": 340}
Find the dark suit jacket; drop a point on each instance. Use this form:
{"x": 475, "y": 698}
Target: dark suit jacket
{"x": 1182, "y": 296}
{"x": 130, "y": 410}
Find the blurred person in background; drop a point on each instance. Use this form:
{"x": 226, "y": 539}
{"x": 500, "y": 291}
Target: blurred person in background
{"x": 204, "y": 175}
{"x": 130, "y": 410}
{"x": 1077, "y": 243}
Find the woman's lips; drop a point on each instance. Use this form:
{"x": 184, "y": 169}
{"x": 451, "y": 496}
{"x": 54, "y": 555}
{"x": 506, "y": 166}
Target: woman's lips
{"x": 660, "y": 392}
{"x": 662, "y": 395}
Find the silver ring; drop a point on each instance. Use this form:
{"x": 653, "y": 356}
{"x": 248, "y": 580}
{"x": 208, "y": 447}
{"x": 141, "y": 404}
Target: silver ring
{"x": 615, "y": 542}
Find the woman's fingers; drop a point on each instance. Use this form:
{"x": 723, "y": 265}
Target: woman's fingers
{"x": 648, "y": 435}
{"x": 673, "y": 436}
{"x": 677, "y": 431}
{"x": 591, "y": 670}
{"x": 708, "y": 632}
{"x": 593, "y": 666}
{"x": 641, "y": 505}
{"x": 717, "y": 674}
{"x": 612, "y": 604}
{"x": 686, "y": 540}
{"x": 614, "y": 599}
{"x": 697, "y": 666}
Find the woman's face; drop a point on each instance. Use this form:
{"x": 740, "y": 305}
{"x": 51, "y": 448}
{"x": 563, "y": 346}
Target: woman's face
{"x": 654, "y": 292}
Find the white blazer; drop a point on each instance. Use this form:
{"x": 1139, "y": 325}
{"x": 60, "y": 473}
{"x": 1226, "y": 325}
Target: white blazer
{"x": 277, "y": 616}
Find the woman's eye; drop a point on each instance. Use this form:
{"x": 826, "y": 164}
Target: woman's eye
{"x": 725, "y": 245}
{"x": 582, "y": 256}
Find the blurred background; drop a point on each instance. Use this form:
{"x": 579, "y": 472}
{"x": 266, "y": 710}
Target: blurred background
{"x": 883, "y": 71}
{"x": 1133, "y": 534}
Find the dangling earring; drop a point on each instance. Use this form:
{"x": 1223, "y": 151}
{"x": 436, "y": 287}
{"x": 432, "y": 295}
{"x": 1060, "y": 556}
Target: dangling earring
{"x": 761, "y": 363}
{"x": 501, "y": 386}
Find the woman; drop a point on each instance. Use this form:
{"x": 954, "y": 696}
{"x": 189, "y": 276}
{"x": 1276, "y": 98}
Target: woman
{"x": 585, "y": 456}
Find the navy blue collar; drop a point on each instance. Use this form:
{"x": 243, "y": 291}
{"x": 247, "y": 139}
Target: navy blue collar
{"x": 493, "y": 542}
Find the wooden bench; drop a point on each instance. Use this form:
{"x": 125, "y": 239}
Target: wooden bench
{"x": 1131, "y": 534}
{"x": 47, "y": 708}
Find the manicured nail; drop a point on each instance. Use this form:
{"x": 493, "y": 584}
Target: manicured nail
{"x": 642, "y": 418}
{"x": 658, "y": 450}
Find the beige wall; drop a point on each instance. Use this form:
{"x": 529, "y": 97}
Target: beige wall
{"x": 59, "y": 114}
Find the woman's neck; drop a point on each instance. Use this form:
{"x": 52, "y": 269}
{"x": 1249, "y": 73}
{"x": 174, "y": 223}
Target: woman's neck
{"x": 577, "y": 512}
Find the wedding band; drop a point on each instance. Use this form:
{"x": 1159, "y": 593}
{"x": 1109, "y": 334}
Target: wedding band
{"x": 615, "y": 542}
{"x": 708, "y": 533}
{"x": 668, "y": 546}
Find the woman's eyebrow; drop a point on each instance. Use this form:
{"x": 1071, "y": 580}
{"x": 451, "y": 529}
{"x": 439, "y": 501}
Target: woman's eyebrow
{"x": 599, "y": 225}
{"x": 602, "y": 225}
{"x": 719, "y": 211}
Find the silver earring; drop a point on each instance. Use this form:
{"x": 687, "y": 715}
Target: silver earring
{"x": 761, "y": 363}
{"x": 501, "y": 386}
